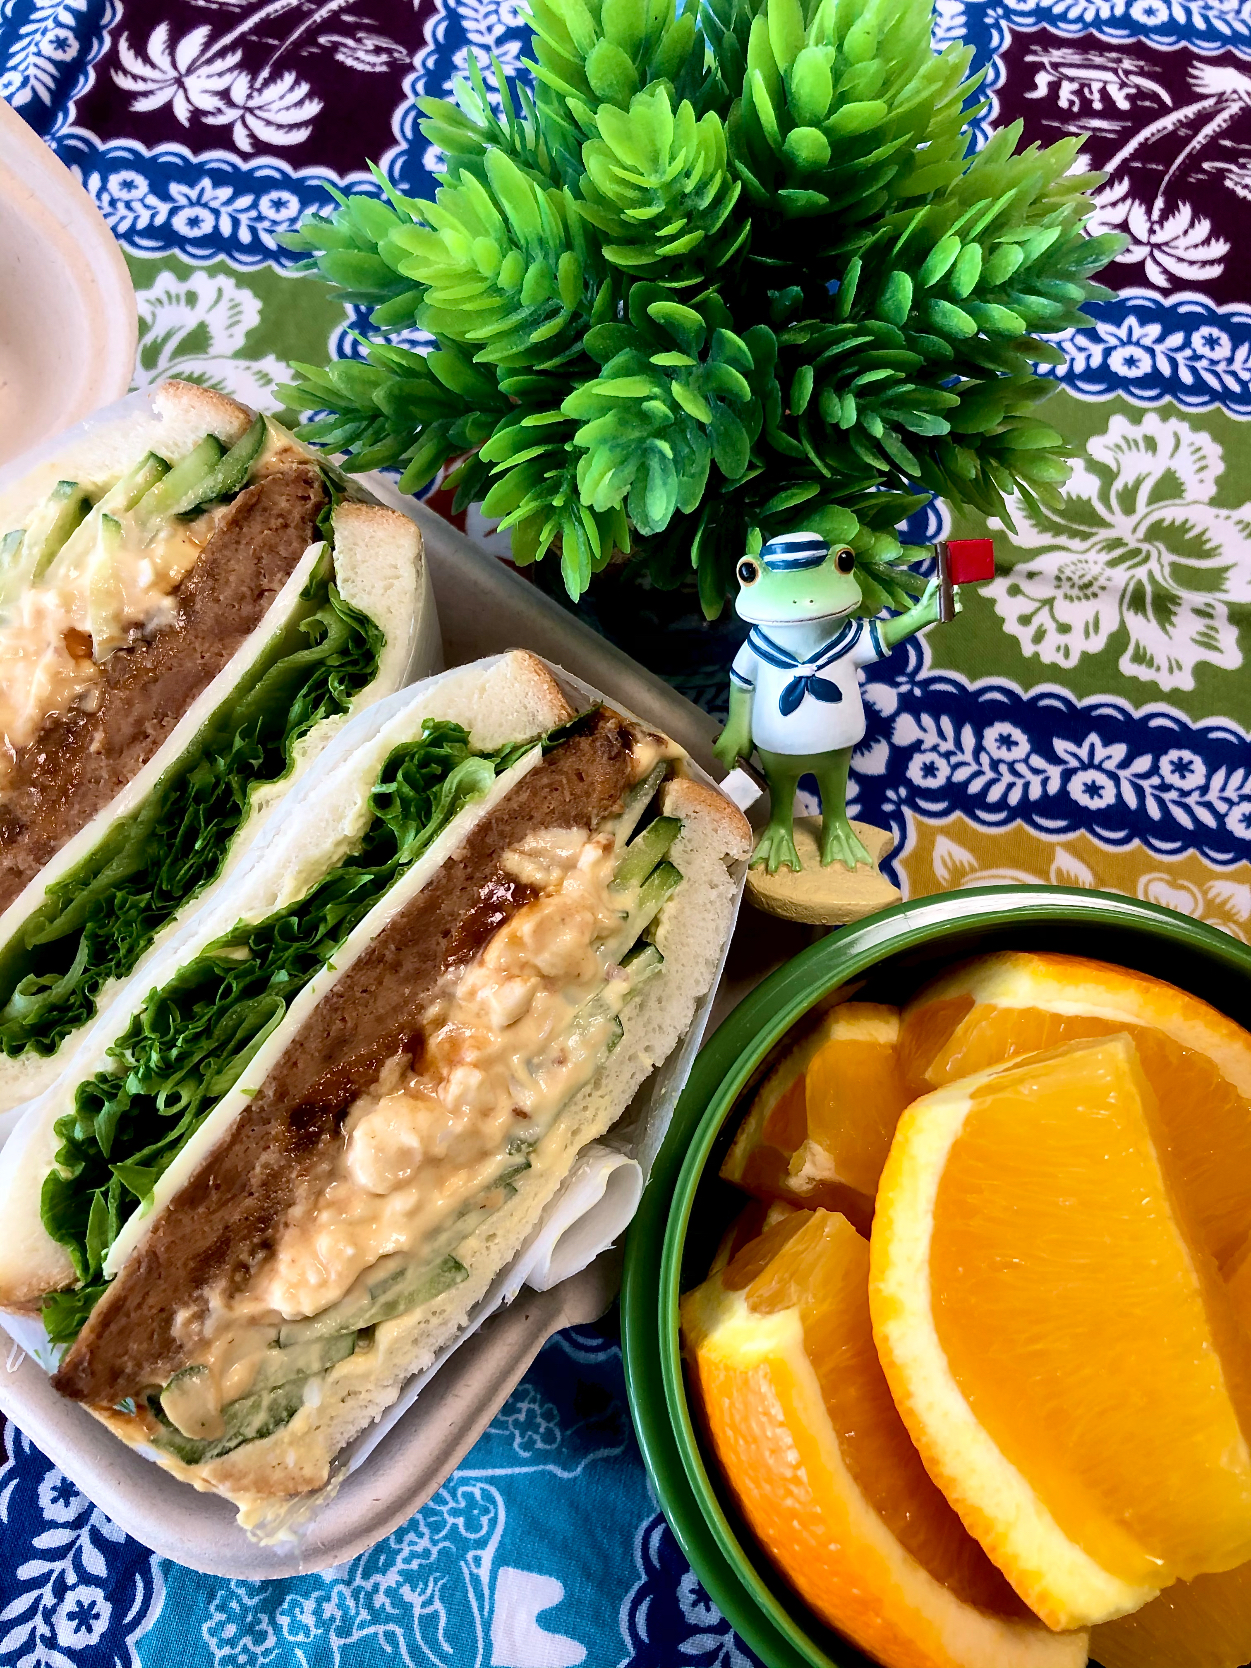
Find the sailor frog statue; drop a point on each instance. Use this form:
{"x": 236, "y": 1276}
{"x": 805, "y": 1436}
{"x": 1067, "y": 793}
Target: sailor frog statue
{"x": 794, "y": 688}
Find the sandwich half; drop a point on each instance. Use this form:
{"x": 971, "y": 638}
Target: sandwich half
{"x": 282, "y": 1182}
{"x": 191, "y": 606}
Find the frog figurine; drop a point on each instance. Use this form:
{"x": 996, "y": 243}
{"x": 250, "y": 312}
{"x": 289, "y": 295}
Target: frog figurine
{"x": 794, "y": 690}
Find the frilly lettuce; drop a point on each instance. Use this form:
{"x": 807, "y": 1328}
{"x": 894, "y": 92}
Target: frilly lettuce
{"x": 99, "y": 919}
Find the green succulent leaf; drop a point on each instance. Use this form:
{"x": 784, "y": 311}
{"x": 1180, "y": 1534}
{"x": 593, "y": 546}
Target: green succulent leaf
{"x": 728, "y": 271}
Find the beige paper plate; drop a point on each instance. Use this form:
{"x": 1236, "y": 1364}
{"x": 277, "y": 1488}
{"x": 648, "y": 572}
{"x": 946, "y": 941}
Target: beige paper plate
{"x": 68, "y": 324}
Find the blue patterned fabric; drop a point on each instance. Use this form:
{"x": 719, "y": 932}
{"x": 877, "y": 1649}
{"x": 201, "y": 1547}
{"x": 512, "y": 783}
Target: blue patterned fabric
{"x": 543, "y": 1550}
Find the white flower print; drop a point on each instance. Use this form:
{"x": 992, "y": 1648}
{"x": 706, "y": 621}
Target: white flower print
{"x": 59, "y": 1499}
{"x": 82, "y": 1618}
{"x": 1136, "y": 551}
{"x": 196, "y": 328}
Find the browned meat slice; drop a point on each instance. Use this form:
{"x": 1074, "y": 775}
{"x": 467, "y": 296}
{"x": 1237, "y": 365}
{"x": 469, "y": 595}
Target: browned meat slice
{"x": 221, "y": 1226}
{"x": 81, "y": 760}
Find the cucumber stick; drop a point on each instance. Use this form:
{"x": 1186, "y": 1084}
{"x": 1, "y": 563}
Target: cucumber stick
{"x": 400, "y": 1289}
{"x": 104, "y": 589}
{"x": 182, "y": 485}
{"x": 275, "y": 1395}
{"x": 60, "y": 514}
{"x": 638, "y": 799}
{"x": 229, "y": 475}
{"x": 209, "y": 472}
{"x": 643, "y": 853}
{"x": 134, "y": 485}
{"x": 653, "y": 895}
{"x": 249, "y": 1419}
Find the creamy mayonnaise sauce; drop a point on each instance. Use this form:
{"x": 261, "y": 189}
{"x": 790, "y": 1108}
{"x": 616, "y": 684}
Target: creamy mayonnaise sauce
{"x": 509, "y": 1040}
{"x": 55, "y": 634}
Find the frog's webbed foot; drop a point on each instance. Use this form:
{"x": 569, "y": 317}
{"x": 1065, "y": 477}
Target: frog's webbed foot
{"x": 840, "y": 844}
{"x": 775, "y": 847}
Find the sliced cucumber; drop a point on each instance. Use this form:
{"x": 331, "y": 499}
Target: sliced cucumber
{"x": 652, "y": 897}
{"x": 301, "y": 1360}
{"x": 64, "y": 509}
{"x": 250, "y": 1419}
{"x": 637, "y": 800}
{"x": 182, "y": 486}
{"x": 104, "y": 589}
{"x": 642, "y": 854}
{"x": 400, "y": 1289}
{"x": 184, "y": 1406}
{"x": 643, "y": 963}
{"x": 135, "y": 485}
{"x": 229, "y": 475}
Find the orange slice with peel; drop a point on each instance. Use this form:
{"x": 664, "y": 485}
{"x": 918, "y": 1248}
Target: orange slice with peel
{"x": 819, "y": 1129}
{"x": 1204, "y": 1623}
{"x": 781, "y": 1352}
{"x": 1004, "y": 1006}
{"x": 759, "y": 1216}
{"x": 1063, "y": 1356}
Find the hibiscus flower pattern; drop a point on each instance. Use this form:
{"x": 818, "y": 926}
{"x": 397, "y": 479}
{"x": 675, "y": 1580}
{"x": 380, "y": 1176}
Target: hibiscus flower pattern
{"x": 1137, "y": 555}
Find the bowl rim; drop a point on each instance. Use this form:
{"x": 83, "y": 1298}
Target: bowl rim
{"x": 655, "y": 1382}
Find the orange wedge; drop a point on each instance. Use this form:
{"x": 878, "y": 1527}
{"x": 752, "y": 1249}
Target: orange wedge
{"x": 820, "y": 1127}
{"x": 1064, "y": 1358}
{"x": 1204, "y": 1623}
{"x": 1237, "y": 1272}
{"x": 749, "y": 1225}
{"x": 781, "y": 1352}
{"x": 1002, "y": 1007}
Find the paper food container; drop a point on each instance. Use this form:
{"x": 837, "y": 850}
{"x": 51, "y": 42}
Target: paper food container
{"x": 68, "y": 324}
{"x": 566, "y": 1274}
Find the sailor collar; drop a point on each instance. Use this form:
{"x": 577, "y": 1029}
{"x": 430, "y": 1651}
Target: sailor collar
{"x": 842, "y": 642}
{"x": 807, "y": 679}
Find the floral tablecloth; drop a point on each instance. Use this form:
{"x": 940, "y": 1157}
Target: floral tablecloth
{"x": 1085, "y": 721}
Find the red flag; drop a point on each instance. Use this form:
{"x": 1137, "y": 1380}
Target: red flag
{"x": 971, "y": 560}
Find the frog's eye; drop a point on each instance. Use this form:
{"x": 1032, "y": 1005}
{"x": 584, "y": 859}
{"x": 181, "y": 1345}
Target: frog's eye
{"x": 845, "y": 561}
{"x": 748, "y": 571}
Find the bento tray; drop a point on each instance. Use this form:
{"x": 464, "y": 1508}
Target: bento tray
{"x": 484, "y": 607}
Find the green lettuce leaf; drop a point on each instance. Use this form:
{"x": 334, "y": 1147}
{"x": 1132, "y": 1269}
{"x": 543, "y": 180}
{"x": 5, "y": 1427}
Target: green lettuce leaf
{"x": 100, "y": 918}
{"x": 193, "y": 1038}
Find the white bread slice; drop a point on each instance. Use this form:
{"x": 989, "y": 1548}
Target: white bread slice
{"x": 691, "y": 934}
{"x": 320, "y": 825}
{"x": 181, "y": 414}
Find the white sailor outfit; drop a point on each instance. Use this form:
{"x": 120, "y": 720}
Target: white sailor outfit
{"x": 812, "y": 705}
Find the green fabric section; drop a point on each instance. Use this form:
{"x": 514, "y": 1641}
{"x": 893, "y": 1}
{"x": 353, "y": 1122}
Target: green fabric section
{"x": 102, "y": 916}
{"x": 229, "y": 328}
{"x": 190, "y": 1042}
{"x": 1133, "y": 586}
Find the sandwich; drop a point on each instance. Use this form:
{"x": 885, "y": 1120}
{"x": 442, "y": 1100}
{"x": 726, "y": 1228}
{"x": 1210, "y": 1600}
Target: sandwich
{"x": 286, "y": 1175}
{"x": 191, "y": 606}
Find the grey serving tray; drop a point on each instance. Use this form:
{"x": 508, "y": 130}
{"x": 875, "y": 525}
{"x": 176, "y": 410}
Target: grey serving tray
{"x": 484, "y": 607}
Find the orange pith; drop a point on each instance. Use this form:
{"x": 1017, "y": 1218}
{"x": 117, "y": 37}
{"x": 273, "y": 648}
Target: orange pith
{"x": 820, "y": 1127}
{"x": 1090, "y": 1340}
{"x": 781, "y": 1350}
{"x": 1204, "y": 1623}
{"x": 1007, "y": 1006}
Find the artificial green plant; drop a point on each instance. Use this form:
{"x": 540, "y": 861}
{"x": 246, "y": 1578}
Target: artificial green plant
{"x": 724, "y": 273}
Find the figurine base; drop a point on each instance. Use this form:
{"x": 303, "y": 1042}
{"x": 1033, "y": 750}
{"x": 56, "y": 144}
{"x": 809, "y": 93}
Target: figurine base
{"x": 825, "y": 897}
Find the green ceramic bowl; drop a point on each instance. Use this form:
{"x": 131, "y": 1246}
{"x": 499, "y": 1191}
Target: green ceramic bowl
{"x": 686, "y": 1207}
